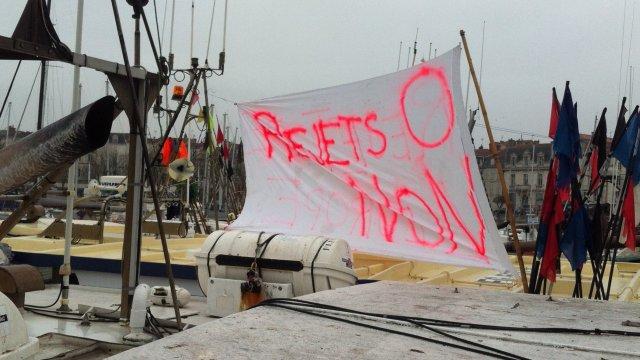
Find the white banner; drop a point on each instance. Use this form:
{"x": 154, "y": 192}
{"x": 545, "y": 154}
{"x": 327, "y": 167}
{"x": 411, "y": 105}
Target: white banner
{"x": 386, "y": 164}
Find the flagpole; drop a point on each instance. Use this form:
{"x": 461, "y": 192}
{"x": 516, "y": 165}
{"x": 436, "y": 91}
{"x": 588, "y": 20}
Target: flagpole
{"x": 496, "y": 157}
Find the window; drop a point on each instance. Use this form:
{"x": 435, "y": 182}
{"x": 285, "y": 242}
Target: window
{"x": 513, "y": 160}
{"x": 540, "y": 179}
{"x": 513, "y": 179}
{"x": 525, "y": 179}
{"x": 525, "y": 159}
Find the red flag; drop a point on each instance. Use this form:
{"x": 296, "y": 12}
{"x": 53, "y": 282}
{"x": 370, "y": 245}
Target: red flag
{"x": 219, "y": 136}
{"x": 628, "y": 232}
{"x": 182, "y": 151}
{"x": 552, "y": 248}
{"x": 225, "y": 151}
{"x": 551, "y": 215}
{"x": 194, "y": 98}
{"x": 555, "y": 114}
{"x": 166, "y": 151}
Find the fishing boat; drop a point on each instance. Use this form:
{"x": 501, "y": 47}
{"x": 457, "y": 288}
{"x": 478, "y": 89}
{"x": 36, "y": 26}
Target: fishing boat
{"x": 277, "y": 240}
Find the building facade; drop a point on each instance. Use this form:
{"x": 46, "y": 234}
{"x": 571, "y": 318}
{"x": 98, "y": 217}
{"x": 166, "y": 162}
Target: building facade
{"x": 526, "y": 167}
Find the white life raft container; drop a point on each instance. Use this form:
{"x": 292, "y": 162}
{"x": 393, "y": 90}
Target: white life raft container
{"x": 309, "y": 263}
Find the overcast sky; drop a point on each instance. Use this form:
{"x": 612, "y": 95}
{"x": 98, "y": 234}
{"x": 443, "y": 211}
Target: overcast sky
{"x": 280, "y": 47}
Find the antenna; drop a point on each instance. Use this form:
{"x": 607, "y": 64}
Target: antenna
{"x": 191, "y": 44}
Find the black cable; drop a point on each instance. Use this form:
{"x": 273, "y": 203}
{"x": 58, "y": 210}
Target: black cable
{"x": 438, "y": 322}
{"x": 405, "y": 319}
{"x": 209, "y": 256}
{"x": 50, "y": 305}
{"x": 392, "y": 331}
{"x": 313, "y": 262}
{"x": 57, "y": 315}
{"x": 263, "y": 245}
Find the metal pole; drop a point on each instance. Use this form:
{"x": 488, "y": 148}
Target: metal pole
{"x": 135, "y": 181}
{"x": 224, "y": 27}
{"x": 30, "y": 198}
{"x": 138, "y": 121}
{"x": 499, "y": 170}
{"x": 65, "y": 269}
{"x": 188, "y": 180}
{"x": 43, "y": 84}
{"x": 210, "y": 136}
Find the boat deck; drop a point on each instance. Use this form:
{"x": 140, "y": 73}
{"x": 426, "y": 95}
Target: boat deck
{"x": 106, "y": 257}
{"x": 275, "y": 333}
{"x": 58, "y": 336}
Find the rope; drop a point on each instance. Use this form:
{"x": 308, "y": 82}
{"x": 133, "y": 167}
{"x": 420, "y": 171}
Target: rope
{"x": 155, "y": 11}
{"x": 27, "y": 102}
{"x": 6, "y": 97}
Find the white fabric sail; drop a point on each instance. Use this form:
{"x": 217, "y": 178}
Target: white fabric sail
{"x": 386, "y": 164}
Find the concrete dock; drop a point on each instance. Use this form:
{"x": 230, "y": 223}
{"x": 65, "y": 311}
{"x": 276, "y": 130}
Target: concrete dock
{"x": 274, "y": 333}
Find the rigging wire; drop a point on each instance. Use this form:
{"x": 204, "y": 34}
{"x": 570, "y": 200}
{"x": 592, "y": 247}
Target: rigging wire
{"x": 26, "y": 103}
{"x": 6, "y": 97}
{"x": 164, "y": 19}
{"x": 513, "y": 131}
{"x": 155, "y": 11}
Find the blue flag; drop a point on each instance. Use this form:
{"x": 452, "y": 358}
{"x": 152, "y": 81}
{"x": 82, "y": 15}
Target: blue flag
{"x": 576, "y": 238}
{"x": 623, "y": 152}
{"x": 566, "y": 144}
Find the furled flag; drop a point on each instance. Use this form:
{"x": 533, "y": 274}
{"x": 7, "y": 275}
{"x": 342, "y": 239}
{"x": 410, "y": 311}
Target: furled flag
{"x": 624, "y": 153}
{"x": 210, "y": 139}
{"x": 219, "y": 136}
{"x": 213, "y": 123}
{"x": 562, "y": 173}
{"x": 620, "y": 126}
{"x": 225, "y": 151}
{"x": 167, "y": 147}
{"x": 566, "y": 145}
{"x": 555, "y": 108}
{"x": 598, "y": 151}
{"x": 550, "y": 219}
{"x": 576, "y": 236}
{"x": 182, "y": 150}
{"x": 194, "y": 98}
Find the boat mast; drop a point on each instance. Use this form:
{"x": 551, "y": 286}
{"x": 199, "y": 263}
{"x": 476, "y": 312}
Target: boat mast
{"x": 43, "y": 82}
{"x": 65, "y": 269}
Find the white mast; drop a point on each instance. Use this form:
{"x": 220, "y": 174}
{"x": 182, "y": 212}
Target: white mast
{"x": 65, "y": 269}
